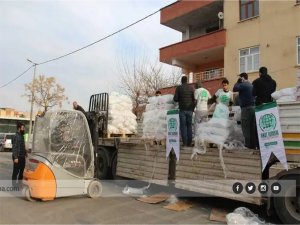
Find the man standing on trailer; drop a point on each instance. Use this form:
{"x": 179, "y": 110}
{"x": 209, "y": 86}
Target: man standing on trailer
{"x": 184, "y": 95}
{"x": 263, "y": 87}
{"x": 247, "y": 104}
{"x": 78, "y": 107}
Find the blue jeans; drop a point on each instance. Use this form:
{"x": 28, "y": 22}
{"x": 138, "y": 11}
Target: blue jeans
{"x": 185, "y": 118}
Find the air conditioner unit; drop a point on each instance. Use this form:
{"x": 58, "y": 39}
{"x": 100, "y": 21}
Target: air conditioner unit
{"x": 221, "y": 15}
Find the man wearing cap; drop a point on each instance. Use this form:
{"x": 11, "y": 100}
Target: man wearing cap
{"x": 247, "y": 104}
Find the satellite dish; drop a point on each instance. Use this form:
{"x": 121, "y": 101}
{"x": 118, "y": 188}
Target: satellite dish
{"x": 221, "y": 15}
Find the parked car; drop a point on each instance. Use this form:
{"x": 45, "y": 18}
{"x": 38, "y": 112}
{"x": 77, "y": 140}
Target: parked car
{"x": 6, "y": 141}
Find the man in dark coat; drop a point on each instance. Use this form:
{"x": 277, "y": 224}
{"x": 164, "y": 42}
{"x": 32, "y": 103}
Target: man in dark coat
{"x": 263, "y": 87}
{"x": 184, "y": 95}
{"x": 18, "y": 154}
{"x": 78, "y": 107}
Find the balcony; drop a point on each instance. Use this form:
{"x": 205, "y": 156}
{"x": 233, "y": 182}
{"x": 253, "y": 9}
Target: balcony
{"x": 192, "y": 13}
{"x": 197, "y": 51}
{"x": 209, "y": 75}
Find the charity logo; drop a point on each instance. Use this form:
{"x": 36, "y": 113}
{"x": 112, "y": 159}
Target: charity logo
{"x": 267, "y": 122}
{"x": 224, "y": 99}
{"x": 172, "y": 125}
{"x": 203, "y": 94}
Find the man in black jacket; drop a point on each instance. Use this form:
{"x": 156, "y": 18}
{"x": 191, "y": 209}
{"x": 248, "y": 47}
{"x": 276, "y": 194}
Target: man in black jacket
{"x": 263, "y": 87}
{"x": 184, "y": 95}
{"x": 78, "y": 107}
{"x": 18, "y": 154}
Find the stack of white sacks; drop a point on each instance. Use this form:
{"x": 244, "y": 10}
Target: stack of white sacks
{"x": 219, "y": 130}
{"x": 285, "y": 95}
{"x": 288, "y": 94}
{"x": 121, "y": 119}
{"x": 155, "y": 116}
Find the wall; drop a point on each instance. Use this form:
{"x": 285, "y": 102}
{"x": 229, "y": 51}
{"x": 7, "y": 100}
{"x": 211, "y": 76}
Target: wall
{"x": 212, "y": 86}
{"x": 275, "y": 30}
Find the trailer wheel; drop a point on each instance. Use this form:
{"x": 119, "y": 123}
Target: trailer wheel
{"x": 26, "y": 193}
{"x": 286, "y": 207}
{"x": 102, "y": 162}
{"x": 94, "y": 189}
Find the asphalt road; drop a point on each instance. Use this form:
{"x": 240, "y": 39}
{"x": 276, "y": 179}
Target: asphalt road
{"x": 113, "y": 208}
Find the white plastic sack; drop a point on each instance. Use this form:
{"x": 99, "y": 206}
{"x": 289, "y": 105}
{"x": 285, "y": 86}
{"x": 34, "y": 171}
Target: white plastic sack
{"x": 221, "y": 111}
{"x": 243, "y": 216}
{"x": 120, "y": 116}
{"x": 284, "y": 92}
{"x": 154, "y": 118}
{"x": 287, "y": 98}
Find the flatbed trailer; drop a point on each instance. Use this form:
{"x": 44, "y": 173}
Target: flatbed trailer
{"x": 134, "y": 158}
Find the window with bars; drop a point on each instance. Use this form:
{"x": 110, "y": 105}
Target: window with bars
{"x": 248, "y": 9}
{"x": 298, "y": 50}
{"x": 249, "y": 59}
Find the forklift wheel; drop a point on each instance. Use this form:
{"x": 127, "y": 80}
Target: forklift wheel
{"x": 94, "y": 189}
{"x": 27, "y": 195}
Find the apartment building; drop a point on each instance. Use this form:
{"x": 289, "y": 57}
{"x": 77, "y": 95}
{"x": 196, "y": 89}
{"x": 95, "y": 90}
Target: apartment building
{"x": 224, "y": 38}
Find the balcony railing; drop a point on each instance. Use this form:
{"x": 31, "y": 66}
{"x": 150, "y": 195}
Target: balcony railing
{"x": 209, "y": 75}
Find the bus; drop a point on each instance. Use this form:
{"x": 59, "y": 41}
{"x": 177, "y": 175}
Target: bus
{"x": 9, "y": 124}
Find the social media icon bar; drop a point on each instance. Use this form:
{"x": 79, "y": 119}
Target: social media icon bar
{"x": 250, "y": 188}
{"x": 237, "y": 188}
{"x": 263, "y": 188}
{"x": 276, "y": 188}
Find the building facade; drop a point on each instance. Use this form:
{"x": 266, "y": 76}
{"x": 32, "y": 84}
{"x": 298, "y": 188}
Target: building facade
{"x": 224, "y": 38}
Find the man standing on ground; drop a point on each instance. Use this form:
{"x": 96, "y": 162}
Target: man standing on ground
{"x": 18, "y": 155}
{"x": 184, "y": 95}
{"x": 263, "y": 87}
{"x": 247, "y": 104}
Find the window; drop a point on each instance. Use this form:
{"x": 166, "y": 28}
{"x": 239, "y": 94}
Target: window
{"x": 298, "y": 50}
{"x": 248, "y": 9}
{"x": 249, "y": 59}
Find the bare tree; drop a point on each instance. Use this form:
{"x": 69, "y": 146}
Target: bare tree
{"x": 46, "y": 92}
{"x": 140, "y": 79}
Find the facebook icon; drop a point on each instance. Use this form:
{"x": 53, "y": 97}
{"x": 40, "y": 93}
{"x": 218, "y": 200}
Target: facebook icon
{"x": 237, "y": 188}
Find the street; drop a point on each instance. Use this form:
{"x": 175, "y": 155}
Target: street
{"x": 112, "y": 208}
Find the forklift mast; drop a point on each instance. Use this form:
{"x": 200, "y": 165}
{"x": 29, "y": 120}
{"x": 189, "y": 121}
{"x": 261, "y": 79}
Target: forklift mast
{"x": 98, "y": 116}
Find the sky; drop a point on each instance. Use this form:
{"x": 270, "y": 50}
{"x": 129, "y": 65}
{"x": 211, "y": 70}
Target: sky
{"x": 45, "y": 29}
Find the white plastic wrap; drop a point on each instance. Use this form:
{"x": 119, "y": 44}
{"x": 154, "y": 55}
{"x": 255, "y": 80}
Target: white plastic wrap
{"x": 154, "y": 122}
{"x": 121, "y": 119}
{"x": 243, "y": 216}
{"x": 223, "y": 132}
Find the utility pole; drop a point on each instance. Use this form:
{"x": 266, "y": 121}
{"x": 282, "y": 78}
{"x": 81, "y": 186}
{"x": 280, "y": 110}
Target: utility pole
{"x": 32, "y": 97}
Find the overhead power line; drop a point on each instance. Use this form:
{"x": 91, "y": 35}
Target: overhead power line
{"x": 4, "y": 85}
{"x": 77, "y": 50}
{"x": 70, "y": 53}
